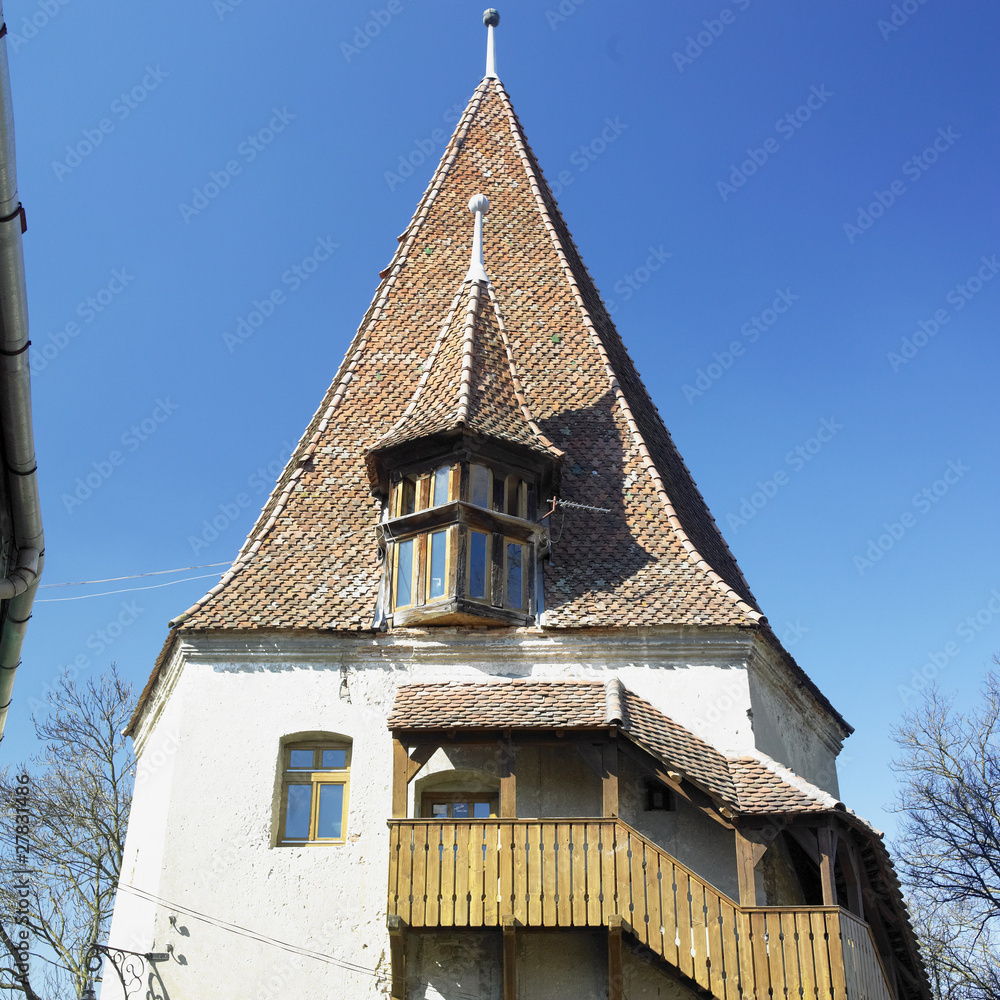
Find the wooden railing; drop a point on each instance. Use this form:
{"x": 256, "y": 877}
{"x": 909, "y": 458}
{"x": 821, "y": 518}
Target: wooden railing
{"x": 578, "y": 873}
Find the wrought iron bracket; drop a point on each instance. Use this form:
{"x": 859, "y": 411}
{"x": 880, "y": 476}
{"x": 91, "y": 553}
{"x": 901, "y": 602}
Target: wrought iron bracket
{"x": 129, "y": 966}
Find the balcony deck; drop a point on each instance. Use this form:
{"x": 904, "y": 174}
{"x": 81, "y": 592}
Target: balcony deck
{"x": 596, "y": 873}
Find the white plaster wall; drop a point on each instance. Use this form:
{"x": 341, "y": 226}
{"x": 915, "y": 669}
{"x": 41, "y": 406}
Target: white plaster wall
{"x": 788, "y": 734}
{"x": 204, "y": 821}
{"x": 459, "y": 966}
{"x": 562, "y": 965}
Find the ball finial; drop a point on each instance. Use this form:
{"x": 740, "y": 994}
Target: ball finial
{"x": 491, "y": 17}
{"x": 479, "y": 203}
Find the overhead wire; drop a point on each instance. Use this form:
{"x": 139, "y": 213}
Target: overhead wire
{"x": 382, "y": 977}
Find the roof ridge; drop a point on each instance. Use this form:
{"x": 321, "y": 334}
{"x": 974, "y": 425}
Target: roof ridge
{"x": 694, "y": 555}
{"x": 468, "y": 353}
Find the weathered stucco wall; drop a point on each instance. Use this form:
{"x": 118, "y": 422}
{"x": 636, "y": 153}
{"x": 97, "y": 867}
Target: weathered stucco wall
{"x": 204, "y": 822}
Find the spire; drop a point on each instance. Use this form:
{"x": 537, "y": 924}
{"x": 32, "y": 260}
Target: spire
{"x": 491, "y": 18}
{"x": 479, "y": 204}
{"x": 529, "y": 359}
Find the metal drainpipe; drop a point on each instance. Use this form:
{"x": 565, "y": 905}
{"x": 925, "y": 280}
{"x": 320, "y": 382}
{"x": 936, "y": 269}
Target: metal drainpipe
{"x": 28, "y": 545}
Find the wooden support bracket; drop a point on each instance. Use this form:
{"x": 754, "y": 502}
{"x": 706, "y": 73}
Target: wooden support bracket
{"x": 616, "y": 983}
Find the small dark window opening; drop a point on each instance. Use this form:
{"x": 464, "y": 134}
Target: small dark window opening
{"x": 659, "y": 798}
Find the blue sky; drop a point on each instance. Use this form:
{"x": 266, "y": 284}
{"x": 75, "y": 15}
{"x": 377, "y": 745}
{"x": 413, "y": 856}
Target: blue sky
{"x": 795, "y": 224}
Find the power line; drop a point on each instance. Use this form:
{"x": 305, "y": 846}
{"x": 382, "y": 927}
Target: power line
{"x": 127, "y": 590}
{"x": 134, "y": 576}
{"x": 382, "y": 977}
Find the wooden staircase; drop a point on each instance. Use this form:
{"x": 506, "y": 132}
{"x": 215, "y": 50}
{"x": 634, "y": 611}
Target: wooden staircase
{"x": 576, "y": 873}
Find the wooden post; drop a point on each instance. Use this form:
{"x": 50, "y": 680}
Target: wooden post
{"x": 400, "y": 767}
{"x": 827, "y": 840}
{"x": 616, "y": 984}
{"x": 508, "y": 780}
{"x": 744, "y": 870}
{"x": 509, "y": 958}
{"x": 397, "y": 958}
{"x": 609, "y": 780}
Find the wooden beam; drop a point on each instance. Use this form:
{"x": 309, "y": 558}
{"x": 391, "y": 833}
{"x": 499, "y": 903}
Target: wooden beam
{"x": 509, "y": 958}
{"x": 400, "y": 764}
{"x": 744, "y": 870}
{"x": 616, "y": 984}
{"x": 609, "y": 779}
{"x": 826, "y": 839}
{"x": 397, "y": 958}
{"x": 419, "y": 756}
{"x": 508, "y": 780}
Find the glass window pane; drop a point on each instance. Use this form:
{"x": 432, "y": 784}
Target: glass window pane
{"x": 441, "y": 477}
{"x": 439, "y": 809}
{"x": 481, "y": 810}
{"x": 301, "y": 760}
{"x": 331, "y": 811}
{"x": 404, "y": 573}
{"x": 514, "y": 585}
{"x": 477, "y": 564}
{"x": 460, "y": 810}
{"x": 438, "y": 547}
{"x": 334, "y": 758}
{"x": 408, "y": 499}
{"x": 297, "y": 802}
{"x": 479, "y": 486}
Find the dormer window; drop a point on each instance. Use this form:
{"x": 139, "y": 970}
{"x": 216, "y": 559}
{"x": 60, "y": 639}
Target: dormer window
{"x": 462, "y": 542}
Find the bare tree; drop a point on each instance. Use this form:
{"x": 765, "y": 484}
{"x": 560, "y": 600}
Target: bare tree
{"x": 62, "y": 835}
{"x": 949, "y": 849}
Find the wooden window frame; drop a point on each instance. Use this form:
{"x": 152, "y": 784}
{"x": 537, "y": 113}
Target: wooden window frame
{"x": 449, "y": 568}
{"x": 316, "y": 777}
{"x": 487, "y": 569}
{"x": 433, "y": 798}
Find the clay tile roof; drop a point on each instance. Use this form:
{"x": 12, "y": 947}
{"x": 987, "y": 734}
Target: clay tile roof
{"x": 679, "y": 747}
{"x": 764, "y": 786}
{"x": 548, "y": 367}
{"x": 509, "y": 704}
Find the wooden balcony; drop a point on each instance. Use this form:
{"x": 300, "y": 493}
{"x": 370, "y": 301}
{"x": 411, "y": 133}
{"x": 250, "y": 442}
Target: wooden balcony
{"x": 602, "y": 873}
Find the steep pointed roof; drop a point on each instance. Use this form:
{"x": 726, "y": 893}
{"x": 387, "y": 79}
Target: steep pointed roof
{"x": 652, "y": 555}
{"x": 470, "y": 381}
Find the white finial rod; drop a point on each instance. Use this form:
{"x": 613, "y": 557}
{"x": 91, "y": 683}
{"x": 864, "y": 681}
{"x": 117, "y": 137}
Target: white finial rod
{"x": 479, "y": 204}
{"x": 491, "y": 18}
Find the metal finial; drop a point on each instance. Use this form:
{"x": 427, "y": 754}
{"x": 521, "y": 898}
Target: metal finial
{"x": 491, "y": 18}
{"x": 479, "y": 204}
